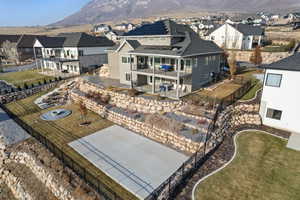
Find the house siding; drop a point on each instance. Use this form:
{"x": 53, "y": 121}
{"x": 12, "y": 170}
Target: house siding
{"x": 284, "y": 98}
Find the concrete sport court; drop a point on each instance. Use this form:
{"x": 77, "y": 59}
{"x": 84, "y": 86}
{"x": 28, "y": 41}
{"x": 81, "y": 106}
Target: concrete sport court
{"x": 138, "y": 164}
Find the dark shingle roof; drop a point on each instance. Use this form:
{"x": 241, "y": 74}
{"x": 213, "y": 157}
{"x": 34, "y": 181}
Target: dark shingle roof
{"x": 75, "y": 40}
{"x": 11, "y": 38}
{"x": 164, "y": 27}
{"x": 291, "y": 63}
{"x": 134, "y": 43}
{"x": 51, "y": 42}
{"x": 249, "y": 29}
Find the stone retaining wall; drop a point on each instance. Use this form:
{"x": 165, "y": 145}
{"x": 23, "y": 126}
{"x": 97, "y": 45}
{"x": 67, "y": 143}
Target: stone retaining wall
{"x": 139, "y": 104}
{"x": 14, "y": 185}
{"x": 51, "y": 181}
{"x": 25, "y": 93}
{"x": 267, "y": 57}
{"x": 154, "y": 133}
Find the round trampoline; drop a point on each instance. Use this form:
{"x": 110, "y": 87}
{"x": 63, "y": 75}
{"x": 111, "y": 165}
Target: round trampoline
{"x": 56, "y": 114}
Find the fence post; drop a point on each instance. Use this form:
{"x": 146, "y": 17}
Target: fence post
{"x": 195, "y": 161}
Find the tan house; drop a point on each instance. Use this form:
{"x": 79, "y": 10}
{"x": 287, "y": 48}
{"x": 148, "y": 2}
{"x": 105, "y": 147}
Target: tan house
{"x": 164, "y": 58}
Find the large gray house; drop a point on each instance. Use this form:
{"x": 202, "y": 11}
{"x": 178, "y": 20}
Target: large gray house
{"x": 164, "y": 58}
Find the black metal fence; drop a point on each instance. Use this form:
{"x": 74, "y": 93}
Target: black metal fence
{"x": 169, "y": 188}
{"x": 67, "y": 161}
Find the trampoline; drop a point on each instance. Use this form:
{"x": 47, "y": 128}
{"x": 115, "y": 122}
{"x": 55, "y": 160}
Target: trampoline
{"x": 56, "y": 114}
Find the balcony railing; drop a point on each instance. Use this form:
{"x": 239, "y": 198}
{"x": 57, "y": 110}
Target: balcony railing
{"x": 160, "y": 70}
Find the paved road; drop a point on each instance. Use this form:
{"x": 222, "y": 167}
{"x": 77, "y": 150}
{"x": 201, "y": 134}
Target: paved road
{"x": 19, "y": 68}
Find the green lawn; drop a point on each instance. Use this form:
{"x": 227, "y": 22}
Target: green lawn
{"x": 63, "y": 131}
{"x": 251, "y": 93}
{"x": 264, "y": 169}
{"x": 28, "y": 77}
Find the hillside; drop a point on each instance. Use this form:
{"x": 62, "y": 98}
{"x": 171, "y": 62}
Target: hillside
{"x": 106, "y": 10}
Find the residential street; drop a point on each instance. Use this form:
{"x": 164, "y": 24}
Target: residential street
{"x": 19, "y": 68}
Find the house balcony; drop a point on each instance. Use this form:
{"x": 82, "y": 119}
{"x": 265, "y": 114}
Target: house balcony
{"x": 163, "y": 71}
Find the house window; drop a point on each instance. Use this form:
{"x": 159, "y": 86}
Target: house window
{"x": 188, "y": 63}
{"x": 163, "y": 61}
{"x": 273, "y": 80}
{"x": 157, "y": 60}
{"x": 206, "y": 60}
{"x": 124, "y": 60}
{"x": 80, "y": 52}
{"x": 274, "y": 114}
{"x": 128, "y": 76}
{"x": 131, "y": 60}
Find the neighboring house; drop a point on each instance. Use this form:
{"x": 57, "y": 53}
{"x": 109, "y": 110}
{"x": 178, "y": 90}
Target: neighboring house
{"x": 280, "y": 106}
{"x": 294, "y": 16}
{"x": 22, "y": 43}
{"x": 165, "y": 58}
{"x": 124, "y": 27}
{"x": 101, "y": 28}
{"x": 238, "y": 36}
{"x": 73, "y": 52}
{"x": 114, "y": 35}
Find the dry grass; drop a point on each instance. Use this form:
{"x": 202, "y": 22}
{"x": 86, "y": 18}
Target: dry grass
{"x": 263, "y": 169}
{"x": 66, "y": 130}
{"x": 222, "y": 91}
{"x": 45, "y": 30}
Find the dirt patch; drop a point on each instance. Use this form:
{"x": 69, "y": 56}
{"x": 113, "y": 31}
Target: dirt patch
{"x": 5, "y": 193}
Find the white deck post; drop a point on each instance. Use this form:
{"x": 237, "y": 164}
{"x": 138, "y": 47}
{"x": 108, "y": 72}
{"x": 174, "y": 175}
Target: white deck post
{"x": 153, "y": 75}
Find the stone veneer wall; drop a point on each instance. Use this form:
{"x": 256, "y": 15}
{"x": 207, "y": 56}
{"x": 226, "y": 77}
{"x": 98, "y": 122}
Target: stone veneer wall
{"x": 159, "y": 135}
{"x": 267, "y": 57}
{"x": 139, "y": 104}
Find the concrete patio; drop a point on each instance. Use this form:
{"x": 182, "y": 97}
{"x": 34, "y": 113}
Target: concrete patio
{"x": 294, "y": 141}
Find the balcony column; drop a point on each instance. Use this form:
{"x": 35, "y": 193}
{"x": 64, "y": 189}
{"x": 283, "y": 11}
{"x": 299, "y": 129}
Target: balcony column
{"x": 178, "y": 77}
{"x": 131, "y": 76}
{"x": 153, "y": 75}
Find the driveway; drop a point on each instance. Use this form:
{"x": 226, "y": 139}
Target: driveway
{"x": 294, "y": 142}
{"x": 10, "y": 131}
{"x": 19, "y": 68}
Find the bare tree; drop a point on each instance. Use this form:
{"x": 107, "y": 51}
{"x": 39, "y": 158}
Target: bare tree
{"x": 10, "y": 51}
{"x": 83, "y": 112}
{"x": 232, "y": 65}
{"x": 256, "y": 57}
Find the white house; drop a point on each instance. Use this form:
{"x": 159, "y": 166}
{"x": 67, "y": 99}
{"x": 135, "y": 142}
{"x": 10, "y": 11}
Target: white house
{"x": 72, "y": 52}
{"x": 237, "y": 36}
{"x": 280, "y": 102}
{"x": 101, "y": 28}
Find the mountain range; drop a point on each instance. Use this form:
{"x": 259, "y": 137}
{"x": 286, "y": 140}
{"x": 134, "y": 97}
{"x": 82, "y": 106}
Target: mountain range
{"x": 106, "y": 10}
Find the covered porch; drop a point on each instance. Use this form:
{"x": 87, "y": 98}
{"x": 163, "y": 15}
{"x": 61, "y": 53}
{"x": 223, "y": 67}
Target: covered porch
{"x": 168, "y": 76}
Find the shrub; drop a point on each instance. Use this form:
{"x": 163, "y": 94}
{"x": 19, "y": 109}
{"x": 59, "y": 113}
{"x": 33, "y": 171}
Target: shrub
{"x": 45, "y": 81}
{"x": 32, "y": 85}
{"x": 19, "y": 88}
{"x": 133, "y": 92}
{"x": 60, "y": 78}
{"x": 105, "y": 99}
{"x": 25, "y": 86}
{"x": 164, "y": 123}
{"x": 55, "y": 79}
{"x": 39, "y": 83}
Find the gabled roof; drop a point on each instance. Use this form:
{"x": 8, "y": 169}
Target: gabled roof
{"x": 84, "y": 40}
{"x": 164, "y": 27}
{"x": 75, "y": 40}
{"x": 291, "y": 63}
{"x": 248, "y": 29}
{"x": 27, "y": 41}
{"x": 191, "y": 45}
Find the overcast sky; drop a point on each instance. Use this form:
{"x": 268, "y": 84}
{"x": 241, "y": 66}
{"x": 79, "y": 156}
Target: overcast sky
{"x": 36, "y": 12}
